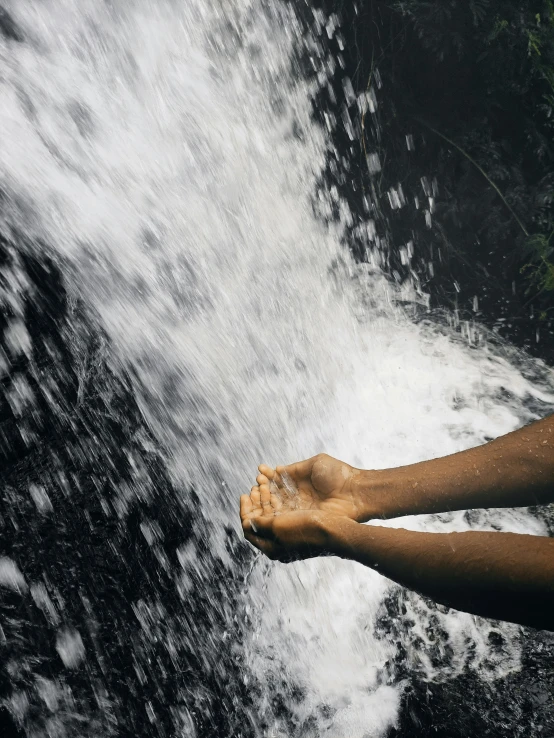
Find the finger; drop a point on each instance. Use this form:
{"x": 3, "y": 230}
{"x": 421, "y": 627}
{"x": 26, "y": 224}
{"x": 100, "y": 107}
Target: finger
{"x": 264, "y": 525}
{"x": 246, "y": 506}
{"x": 262, "y": 479}
{"x": 266, "y": 470}
{"x": 276, "y": 500}
{"x": 262, "y": 544}
{"x": 255, "y": 497}
{"x": 248, "y": 525}
{"x": 298, "y": 471}
{"x": 270, "y": 474}
{"x": 265, "y": 497}
{"x": 248, "y": 522}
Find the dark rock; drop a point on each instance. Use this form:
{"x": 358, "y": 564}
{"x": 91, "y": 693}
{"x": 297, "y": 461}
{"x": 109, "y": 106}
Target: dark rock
{"x": 8, "y": 27}
{"x": 99, "y": 637}
{"x": 466, "y": 704}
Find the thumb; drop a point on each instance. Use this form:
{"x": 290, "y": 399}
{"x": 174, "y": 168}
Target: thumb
{"x": 263, "y": 525}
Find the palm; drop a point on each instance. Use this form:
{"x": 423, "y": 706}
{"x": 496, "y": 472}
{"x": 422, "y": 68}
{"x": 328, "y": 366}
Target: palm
{"x": 322, "y": 483}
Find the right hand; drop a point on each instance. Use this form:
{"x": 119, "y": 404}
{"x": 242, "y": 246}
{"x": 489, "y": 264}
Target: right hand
{"x": 320, "y": 483}
{"x": 293, "y": 536}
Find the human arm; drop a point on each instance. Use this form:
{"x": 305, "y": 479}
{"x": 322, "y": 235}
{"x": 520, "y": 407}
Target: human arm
{"x": 515, "y": 470}
{"x": 505, "y": 576}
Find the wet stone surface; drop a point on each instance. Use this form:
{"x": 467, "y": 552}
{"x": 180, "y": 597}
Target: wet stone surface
{"x": 8, "y": 27}
{"x": 99, "y": 634}
{"x": 457, "y": 706}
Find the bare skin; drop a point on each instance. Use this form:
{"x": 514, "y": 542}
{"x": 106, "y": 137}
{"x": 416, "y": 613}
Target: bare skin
{"x": 323, "y": 483}
{"x": 314, "y": 508}
{"x": 515, "y": 470}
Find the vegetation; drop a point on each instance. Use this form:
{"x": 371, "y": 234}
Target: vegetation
{"x": 510, "y": 47}
{"x": 463, "y": 132}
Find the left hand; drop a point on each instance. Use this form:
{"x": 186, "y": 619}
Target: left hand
{"x": 284, "y": 536}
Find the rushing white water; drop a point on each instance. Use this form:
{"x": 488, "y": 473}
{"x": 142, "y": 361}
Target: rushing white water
{"x": 165, "y": 149}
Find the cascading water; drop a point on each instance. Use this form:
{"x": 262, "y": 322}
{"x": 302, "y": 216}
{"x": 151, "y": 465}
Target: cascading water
{"x": 165, "y": 152}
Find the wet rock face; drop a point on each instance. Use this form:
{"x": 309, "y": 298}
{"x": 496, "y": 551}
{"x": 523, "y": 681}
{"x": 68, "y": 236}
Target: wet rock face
{"x": 8, "y": 27}
{"x": 519, "y": 705}
{"x": 462, "y": 705}
{"x": 105, "y": 629}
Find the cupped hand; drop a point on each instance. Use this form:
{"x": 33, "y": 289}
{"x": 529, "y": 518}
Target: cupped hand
{"x": 320, "y": 483}
{"x": 283, "y": 534}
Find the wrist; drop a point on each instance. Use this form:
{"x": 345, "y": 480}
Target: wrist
{"x": 340, "y": 533}
{"x": 377, "y": 493}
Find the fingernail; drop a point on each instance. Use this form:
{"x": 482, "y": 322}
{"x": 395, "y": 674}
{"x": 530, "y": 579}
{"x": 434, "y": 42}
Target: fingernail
{"x": 253, "y": 526}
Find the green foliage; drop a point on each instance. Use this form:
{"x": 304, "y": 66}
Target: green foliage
{"x": 463, "y": 128}
{"x": 509, "y": 46}
{"x": 540, "y": 268}
{"x": 471, "y": 84}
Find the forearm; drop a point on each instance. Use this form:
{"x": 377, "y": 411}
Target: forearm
{"x": 515, "y": 470}
{"x": 505, "y": 576}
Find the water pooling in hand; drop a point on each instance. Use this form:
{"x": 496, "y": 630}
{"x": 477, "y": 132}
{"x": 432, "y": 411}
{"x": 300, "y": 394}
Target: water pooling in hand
{"x": 287, "y": 493}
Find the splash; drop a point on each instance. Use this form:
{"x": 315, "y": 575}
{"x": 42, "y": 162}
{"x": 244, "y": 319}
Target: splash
{"x": 167, "y": 152}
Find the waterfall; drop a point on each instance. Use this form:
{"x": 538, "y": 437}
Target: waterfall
{"x": 163, "y": 155}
